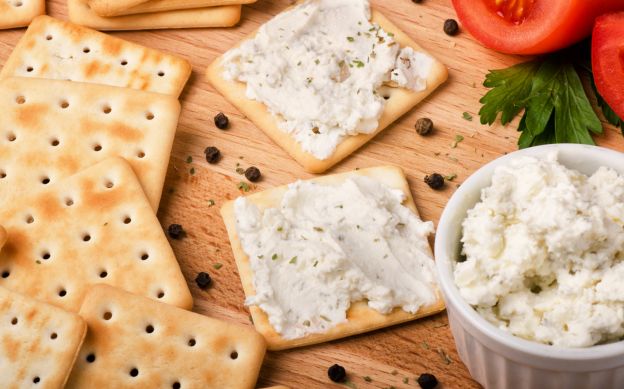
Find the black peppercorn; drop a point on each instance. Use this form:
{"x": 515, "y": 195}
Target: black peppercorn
{"x": 427, "y": 381}
{"x": 212, "y": 154}
{"x": 451, "y": 27}
{"x": 424, "y": 126}
{"x": 435, "y": 181}
{"x": 203, "y": 280}
{"x": 221, "y": 121}
{"x": 337, "y": 373}
{"x": 253, "y": 174}
{"x": 176, "y": 231}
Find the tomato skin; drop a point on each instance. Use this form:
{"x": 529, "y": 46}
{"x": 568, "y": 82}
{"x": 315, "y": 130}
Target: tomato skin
{"x": 550, "y": 25}
{"x": 608, "y": 60}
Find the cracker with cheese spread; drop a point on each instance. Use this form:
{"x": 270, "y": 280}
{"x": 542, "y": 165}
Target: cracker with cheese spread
{"x": 332, "y": 257}
{"x": 324, "y": 77}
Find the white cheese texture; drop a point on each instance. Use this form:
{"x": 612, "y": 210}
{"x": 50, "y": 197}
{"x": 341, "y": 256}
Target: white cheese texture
{"x": 318, "y": 68}
{"x": 544, "y": 253}
{"x": 327, "y": 246}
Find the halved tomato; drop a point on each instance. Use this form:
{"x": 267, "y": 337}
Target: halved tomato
{"x": 608, "y": 60}
{"x": 531, "y": 26}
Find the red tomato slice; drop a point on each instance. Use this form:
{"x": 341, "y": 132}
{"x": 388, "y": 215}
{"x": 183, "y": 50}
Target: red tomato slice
{"x": 608, "y": 60}
{"x": 531, "y": 26}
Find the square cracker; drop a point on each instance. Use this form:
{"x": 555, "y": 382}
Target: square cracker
{"x": 399, "y": 102}
{"x": 223, "y": 16}
{"x": 19, "y": 13}
{"x": 360, "y": 318}
{"x": 94, "y": 227}
{"x": 164, "y": 345}
{"x": 110, "y": 8}
{"x": 53, "y": 129}
{"x": 55, "y": 49}
{"x": 40, "y": 342}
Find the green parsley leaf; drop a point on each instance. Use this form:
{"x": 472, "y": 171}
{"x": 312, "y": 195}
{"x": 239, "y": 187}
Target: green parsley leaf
{"x": 217, "y": 265}
{"x": 450, "y": 177}
{"x": 274, "y": 257}
{"x": 467, "y": 116}
{"x": 458, "y": 138}
{"x": 358, "y": 63}
{"x": 293, "y": 260}
{"x": 350, "y": 38}
{"x": 243, "y": 186}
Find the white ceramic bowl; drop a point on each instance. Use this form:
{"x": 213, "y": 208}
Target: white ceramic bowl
{"x": 495, "y": 358}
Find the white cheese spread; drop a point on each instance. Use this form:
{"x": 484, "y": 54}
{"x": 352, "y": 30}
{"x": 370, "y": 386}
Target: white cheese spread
{"x": 327, "y": 246}
{"x": 544, "y": 253}
{"x": 318, "y": 68}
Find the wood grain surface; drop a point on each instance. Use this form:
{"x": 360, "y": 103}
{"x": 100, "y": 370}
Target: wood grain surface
{"x": 386, "y": 356}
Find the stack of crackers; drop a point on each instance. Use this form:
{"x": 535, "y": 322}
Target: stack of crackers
{"x": 91, "y": 294}
{"x": 155, "y": 14}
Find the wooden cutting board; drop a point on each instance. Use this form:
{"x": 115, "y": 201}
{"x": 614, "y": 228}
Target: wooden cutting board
{"x": 388, "y": 356}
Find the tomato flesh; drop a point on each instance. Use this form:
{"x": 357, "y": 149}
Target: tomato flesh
{"x": 608, "y": 60}
{"x": 531, "y": 26}
{"x": 514, "y": 11}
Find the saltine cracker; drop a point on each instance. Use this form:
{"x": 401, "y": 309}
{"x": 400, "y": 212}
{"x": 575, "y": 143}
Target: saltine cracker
{"x": 93, "y": 227}
{"x": 223, "y": 16}
{"x": 56, "y": 49}
{"x": 399, "y": 101}
{"x": 360, "y": 318}
{"x": 134, "y": 342}
{"x": 53, "y": 129}
{"x": 40, "y": 342}
{"x": 108, "y": 8}
{"x": 19, "y": 13}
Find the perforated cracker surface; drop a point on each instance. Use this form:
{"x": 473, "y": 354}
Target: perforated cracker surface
{"x": 18, "y": 13}
{"x": 94, "y": 227}
{"x": 51, "y": 129}
{"x": 38, "y": 342}
{"x": 137, "y": 343}
{"x": 55, "y": 49}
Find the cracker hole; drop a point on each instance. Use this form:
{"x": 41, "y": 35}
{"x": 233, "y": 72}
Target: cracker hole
{"x": 386, "y": 97}
{"x": 124, "y": 62}
{"x": 29, "y": 69}
{"x": 192, "y": 342}
{"x": 234, "y": 355}
{"x": 62, "y": 293}
{"x": 6, "y": 274}
{"x": 49, "y": 37}
{"x": 86, "y": 50}
{"x": 30, "y": 219}
{"x": 90, "y": 358}
{"x": 109, "y": 184}
{"x": 149, "y": 329}
{"x": 36, "y": 380}
{"x": 64, "y": 104}
{"x": 134, "y": 372}
{"x": 149, "y": 116}
{"x": 176, "y": 385}
{"x": 107, "y": 315}
{"x": 103, "y": 274}
{"x": 46, "y": 255}
{"x": 107, "y": 109}
{"x": 141, "y": 154}
{"x": 20, "y": 99}
{"x": 97, "y": 148}
{"x": 55, "y": 142}
{"x": 2, "y": 174}
{"x": 45, "y": 180}
{"x": 69, "y": 202}
{"x": 127, "y": 220}
{"x": 160, "y": 294}
{"x": 11, "y": 137}
{"x": 53, "y": 335}
{"x": 86, "y": 237}
{"x": 144, "y": 256}
{"x": 19, "y": 4}
{"x": 161, "y": 74}
{"x": 14, "y": 321}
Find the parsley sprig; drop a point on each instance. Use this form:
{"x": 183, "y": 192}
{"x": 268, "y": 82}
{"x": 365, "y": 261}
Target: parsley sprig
{"x": 549, "y": 93}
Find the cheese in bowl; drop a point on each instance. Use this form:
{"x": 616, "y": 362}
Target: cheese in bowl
{"x": 543, "y": 253}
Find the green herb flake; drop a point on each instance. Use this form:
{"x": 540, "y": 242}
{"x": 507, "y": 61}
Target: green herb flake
{"x": 350, "y": 384}
{"x": 192, "y": 171}
{"x": 467, "y": 116}
{"x": 211, "y": 203}
{"x": 458, "y": 139}
{"x": 325, "y": 318}
{"x": 367, "y": 379}
{"x": 38, "y": 262}
{"x": 274, "y": 257}
{"x": 317, "y": 61}
{"x": 280, "y": 229}
{"x": 450, "y": 177}
{"x": 217, "y": 265}
{"x": 350, "y": 38}
{"x": 318, "y": 229}
{"x": 306, "y": 323}
{"x": 358, "y": 63}
{"x": 405, "y": 380}
{"x": 240, "y": 170}
{"x": 315, "y": 263}
{"x": 189, "y": 159}
{"x": 293, "y": 260}
{"x": 251, "y": 319}
{"x": 260, "y": 256}
{"x": 243, "y": 186}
